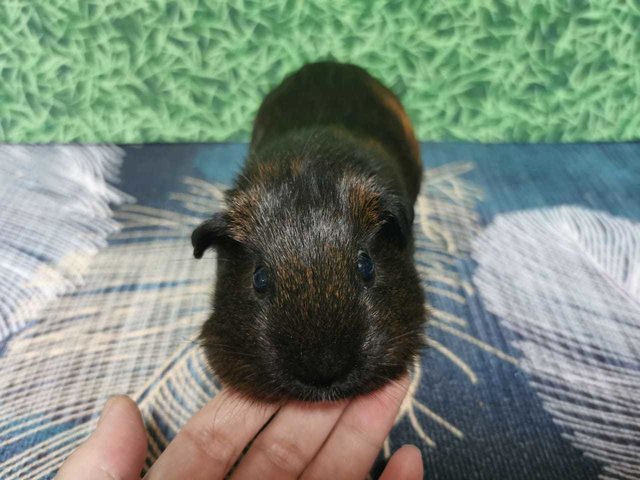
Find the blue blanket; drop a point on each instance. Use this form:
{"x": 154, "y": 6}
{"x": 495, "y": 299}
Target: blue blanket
{"x": 530, "y": 258}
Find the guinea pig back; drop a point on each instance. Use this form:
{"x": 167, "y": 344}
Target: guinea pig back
{"x": 317, "y": 296}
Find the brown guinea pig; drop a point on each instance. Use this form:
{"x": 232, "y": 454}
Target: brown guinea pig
{"x": 317, "y": 296}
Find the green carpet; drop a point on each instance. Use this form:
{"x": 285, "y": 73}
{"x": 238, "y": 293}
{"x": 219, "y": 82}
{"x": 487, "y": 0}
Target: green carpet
{"x": 195, "y": 70}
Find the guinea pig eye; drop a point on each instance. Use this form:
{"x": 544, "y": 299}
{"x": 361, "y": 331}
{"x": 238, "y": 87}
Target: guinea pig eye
{"x": 366, "y": 268}
{"x": 260, "y": 280}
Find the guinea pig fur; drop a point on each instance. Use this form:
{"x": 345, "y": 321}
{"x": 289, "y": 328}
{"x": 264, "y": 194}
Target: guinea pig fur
{"x": 317, "y": 297}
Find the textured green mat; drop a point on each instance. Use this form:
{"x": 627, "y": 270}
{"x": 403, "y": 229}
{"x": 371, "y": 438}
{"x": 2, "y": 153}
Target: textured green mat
{"x": 195, "y": 70}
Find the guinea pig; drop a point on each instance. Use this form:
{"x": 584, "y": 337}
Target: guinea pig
{"x": 317, "y": 297}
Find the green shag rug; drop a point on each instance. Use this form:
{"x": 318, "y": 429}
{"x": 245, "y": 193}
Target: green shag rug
{"x": 195, "y": 70}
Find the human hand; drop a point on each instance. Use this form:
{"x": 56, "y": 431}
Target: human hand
{"x": 336, "y": 440}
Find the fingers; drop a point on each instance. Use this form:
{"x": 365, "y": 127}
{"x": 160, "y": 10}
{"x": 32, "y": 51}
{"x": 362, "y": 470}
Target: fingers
{"x": 210, "y": 443}
{"x": 116, "y": 449}
{"x": 405, "y": 464}
{"x": 357, "y": 438}
{"x": 213, "y": 439}
{"x": 285, "y": 448}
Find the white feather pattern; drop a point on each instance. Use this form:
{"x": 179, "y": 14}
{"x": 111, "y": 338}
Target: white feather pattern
{"x": 54, "y": 217}
{"x": 566, "y": 281}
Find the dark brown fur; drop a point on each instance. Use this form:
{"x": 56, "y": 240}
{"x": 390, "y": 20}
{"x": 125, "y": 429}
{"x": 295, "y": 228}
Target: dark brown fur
{"x": 334, "y": 170}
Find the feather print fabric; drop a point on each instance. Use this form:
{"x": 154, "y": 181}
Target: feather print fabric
{"x": 567, "y": 281}
{"x": 532, "y": 365}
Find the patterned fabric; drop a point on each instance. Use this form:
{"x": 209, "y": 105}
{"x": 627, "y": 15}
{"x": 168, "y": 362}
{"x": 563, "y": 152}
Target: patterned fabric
{"x": 505, "y": 390}
{"x": 44, "y": 224}
{"x": 196, "y": 70}
{"x": 567, "y": 281}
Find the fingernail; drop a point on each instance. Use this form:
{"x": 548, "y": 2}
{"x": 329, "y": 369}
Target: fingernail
{"x": 413, "y": 447}
{"x": 106, "y": 410}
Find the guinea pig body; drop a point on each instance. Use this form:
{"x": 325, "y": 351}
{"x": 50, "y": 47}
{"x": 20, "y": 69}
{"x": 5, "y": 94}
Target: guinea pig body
{"x": 317, "y": 296}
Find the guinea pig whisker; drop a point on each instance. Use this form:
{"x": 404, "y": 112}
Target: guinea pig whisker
{"x": 236, "y": 352}
{"x": 406, "y": 334}
{"x": 270, "y": 388}
{"x": 389, "y": 395}
{"x": 389, "y": 392}
{"x": 211, "y": 343}
{"x": 226, "y": 348}
{"x": 385, "y": 364}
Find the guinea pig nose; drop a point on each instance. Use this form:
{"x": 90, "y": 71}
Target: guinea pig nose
{"x": 322, "y": 370}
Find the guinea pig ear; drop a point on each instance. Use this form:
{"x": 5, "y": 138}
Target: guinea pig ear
{"x": 397, "y": 219}
{"x": 210, "y": 234}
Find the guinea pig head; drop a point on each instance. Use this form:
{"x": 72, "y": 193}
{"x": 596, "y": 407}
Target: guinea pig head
{"x": 316, "y": 297}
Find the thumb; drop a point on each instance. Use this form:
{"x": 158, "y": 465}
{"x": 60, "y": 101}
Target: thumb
{"x": 405, "y": 464}
{"x": 116, "y": 449}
